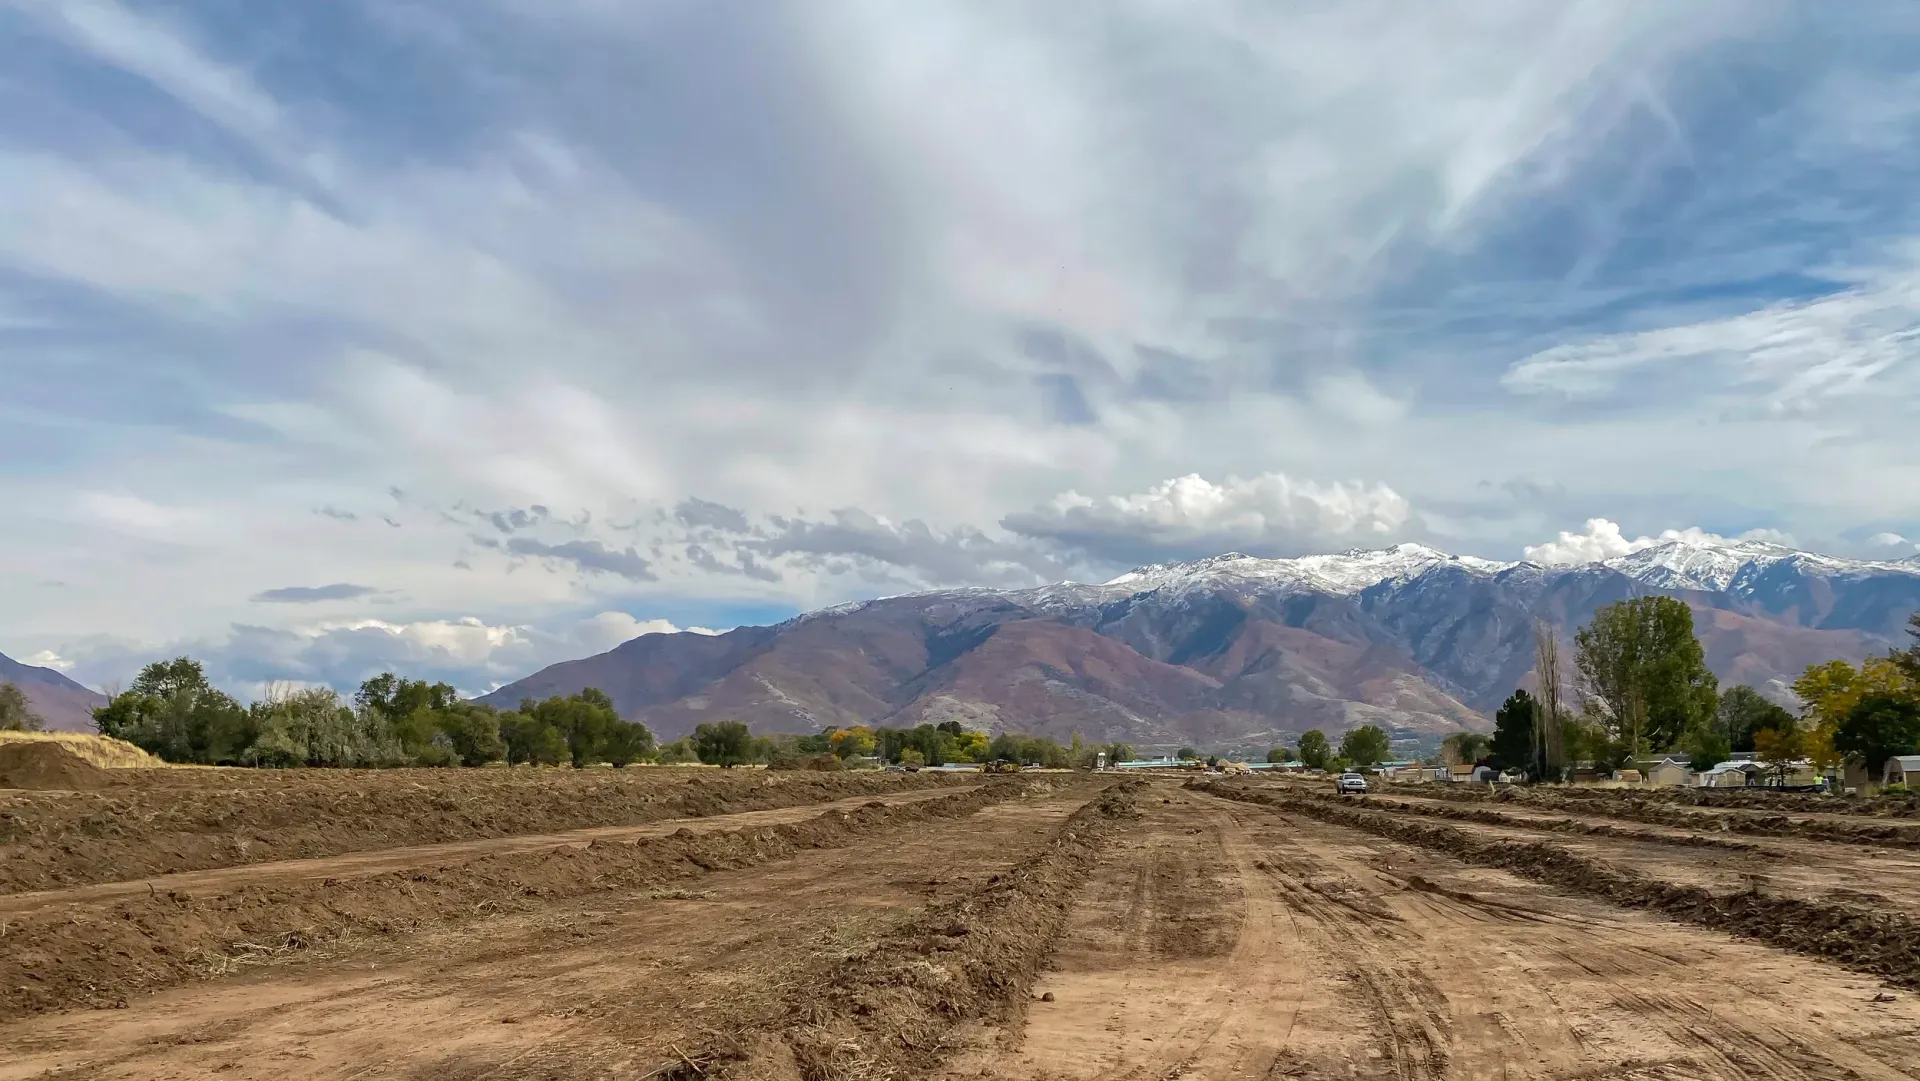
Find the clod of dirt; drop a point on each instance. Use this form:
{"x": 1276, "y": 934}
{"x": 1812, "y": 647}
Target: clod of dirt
{"x": 1883, "y": 997}
{"x": 43, "y": 766}
{"x": 1046, "y": 996}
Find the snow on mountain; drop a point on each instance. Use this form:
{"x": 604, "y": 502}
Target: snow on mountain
{"x": 1345, "y": 573}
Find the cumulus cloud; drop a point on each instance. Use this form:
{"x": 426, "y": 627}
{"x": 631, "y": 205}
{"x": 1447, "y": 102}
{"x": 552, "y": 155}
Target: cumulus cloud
{"x": 338, "y": 591}
{"x": 1603, "y": 540}
{"x": 853, "y": 538}
{"x": 1892, "y": 545}
{"x": 470, "y": 653}
{"x": 1190, "y": 516}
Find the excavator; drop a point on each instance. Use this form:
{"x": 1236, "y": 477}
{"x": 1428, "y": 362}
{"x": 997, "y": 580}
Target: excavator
{"x": 1000, "y": 765}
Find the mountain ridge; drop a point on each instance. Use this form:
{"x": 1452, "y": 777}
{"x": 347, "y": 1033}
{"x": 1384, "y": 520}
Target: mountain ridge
{"x": 64, "y": 704}
{"x": 1238, "y": 649}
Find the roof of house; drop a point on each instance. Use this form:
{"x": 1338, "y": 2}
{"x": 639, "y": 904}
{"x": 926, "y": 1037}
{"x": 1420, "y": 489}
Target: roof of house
{"x": 1908, "y": 762}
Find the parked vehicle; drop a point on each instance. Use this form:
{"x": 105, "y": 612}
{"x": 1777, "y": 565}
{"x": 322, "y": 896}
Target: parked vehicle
{"x": 1350, "y": 782}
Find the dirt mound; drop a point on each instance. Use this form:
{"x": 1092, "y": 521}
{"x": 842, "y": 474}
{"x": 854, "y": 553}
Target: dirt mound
{"x": 103, "y": 751}
{"x": 889, "y": 1010}
{"x": 45, "y": 765}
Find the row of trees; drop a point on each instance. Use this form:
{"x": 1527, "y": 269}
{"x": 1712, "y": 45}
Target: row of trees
{"x": 1644, "y": 688}
{"x": 1362, "y": 748}
{"x": 173, "y": 711}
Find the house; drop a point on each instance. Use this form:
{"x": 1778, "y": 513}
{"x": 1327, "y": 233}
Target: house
{"x": 1729, "y": 775}
{"x": 1629, "y": 776}
{"x": 1667, "y": 770}
{"x": 1901, "y": 769}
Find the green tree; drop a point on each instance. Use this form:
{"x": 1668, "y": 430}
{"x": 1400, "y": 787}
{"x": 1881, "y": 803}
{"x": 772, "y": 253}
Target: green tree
{"x": 1188, "y": 754}
{"x": 530, "y": 739}
{"x": 472, "y": 732}
{"x": 1878, "y": 727}
{"x": 1464, "y": 748}
{"x": 723, "y": 743}
{"x": 912, "y": 759}
{"x": 1118, "y": 753}
{"x": 1706, "y": 748}
{"x": 1644, "y": 670}
{"x": 411, "y": 710}
{"x": 174, "y": 712}
{"x": 313, "y": 727}
{"x": 1743, "y": 711}
{"x": 582, "y": 720}
{"x": 1365, "y": 746}
{"x": 679, "y": 752}
{"x": 16, "y": 713}
{"x": 1314, "y": 749}
{"x": 1516, "y": 734}
{"x": 627, "y": 742}
{"x": 1279, "y": 754}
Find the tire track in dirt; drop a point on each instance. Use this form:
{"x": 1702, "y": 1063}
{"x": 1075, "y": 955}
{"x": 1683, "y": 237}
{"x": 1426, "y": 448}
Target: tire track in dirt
{"x": 1625, "y": 995}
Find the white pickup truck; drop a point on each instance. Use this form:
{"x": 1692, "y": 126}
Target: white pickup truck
{"x": 1350, "y": 782}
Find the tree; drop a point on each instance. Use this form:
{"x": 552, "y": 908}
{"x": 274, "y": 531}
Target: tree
{"x": 1550, "y": 741}
{"x": 848, "y": 742}
{"x": 16, "y": 713}
{"x": 1706, "y": 748}
{"x": 912, "y": 758}
{"x": 1280, "y": 754}
{"x": 1744, "y": 711}
{"x": 1366, "y": 746}
{"x": 1465, "y": 748}
{"x": 582, "y": 721}
{"x": 1778, "y": 749}
{"x": 173, "y": 711}
{"x": 723, "y": 743}
{"x": 678, "y": 752}
{"x": 1118, "y": 753}
{"x": 530, "y": 739}
{"x": 1187, "y": 754}
{"x": 626, "y": 742}
{"x": 472, "y": 732}
{"x": 1642, "y": 667}
{"x": 1314, "y": 749}
{"x": 1517, "y": 732}
{"x": 1878, "y": 727}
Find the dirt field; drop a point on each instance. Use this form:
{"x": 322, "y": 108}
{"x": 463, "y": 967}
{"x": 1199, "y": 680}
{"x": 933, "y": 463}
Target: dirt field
{"x": 1026, "y": 928}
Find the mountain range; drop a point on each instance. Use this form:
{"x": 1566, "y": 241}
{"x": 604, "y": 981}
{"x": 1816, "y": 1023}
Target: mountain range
{"x": 62, "y": 703}
{"x": 1238, "y": 651}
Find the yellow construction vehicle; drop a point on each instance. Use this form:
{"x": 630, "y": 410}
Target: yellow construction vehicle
{"x": 1000, "y": 765}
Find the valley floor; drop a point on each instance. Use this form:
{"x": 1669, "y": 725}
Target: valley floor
{"x": 1024, "y": 929}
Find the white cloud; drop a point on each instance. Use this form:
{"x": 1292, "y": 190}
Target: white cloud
{"x": 1603, "y": 540}
{"x": 1901, "y": 545}
{"x": 1268, "y": 513}
{"x": 1794, "y": 353}
{"x": 47, "y": 658}
{"x": 470, "y": 653}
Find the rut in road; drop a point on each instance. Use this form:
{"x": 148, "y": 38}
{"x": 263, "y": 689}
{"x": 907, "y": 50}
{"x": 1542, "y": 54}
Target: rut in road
{"x": 1231, "y": 942}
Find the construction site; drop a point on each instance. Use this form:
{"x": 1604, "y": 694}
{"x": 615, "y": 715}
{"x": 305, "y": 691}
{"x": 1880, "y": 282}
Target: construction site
{"x": 656, "y": 922}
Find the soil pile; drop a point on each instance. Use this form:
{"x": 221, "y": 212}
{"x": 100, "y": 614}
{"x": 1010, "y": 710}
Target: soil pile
{"x": 44, "y": 765}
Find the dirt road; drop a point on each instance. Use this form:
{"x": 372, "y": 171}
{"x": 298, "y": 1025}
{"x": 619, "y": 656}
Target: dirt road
{"x": 1227, "y": 941}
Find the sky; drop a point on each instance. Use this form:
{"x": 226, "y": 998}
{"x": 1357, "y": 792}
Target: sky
{"x": 464, "y": 337}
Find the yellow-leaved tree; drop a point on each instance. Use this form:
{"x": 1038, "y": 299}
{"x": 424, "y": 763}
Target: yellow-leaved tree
{"x": 1830, "y": 692}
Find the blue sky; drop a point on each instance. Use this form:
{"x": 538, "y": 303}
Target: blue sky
{"x": 469, "y": 337}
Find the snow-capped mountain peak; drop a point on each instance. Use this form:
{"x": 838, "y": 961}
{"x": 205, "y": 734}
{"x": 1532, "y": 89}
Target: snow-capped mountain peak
{"x": 1351, "y": 571}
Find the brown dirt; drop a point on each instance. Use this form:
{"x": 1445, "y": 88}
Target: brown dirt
{"x": 99, "y": 947}
{"x": 1862, "y": 936}
{"x": 614, "y": 983}
{"x": 46, "y": 765}
{"x": 1053, "y": 931}
{"x": 1335, "y": 954}
{"x": 154, "y": 822}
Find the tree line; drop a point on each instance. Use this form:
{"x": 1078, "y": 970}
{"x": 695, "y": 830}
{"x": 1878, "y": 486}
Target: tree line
{"x": 174, "y": 712}
{"x": 1644, "y": 689}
